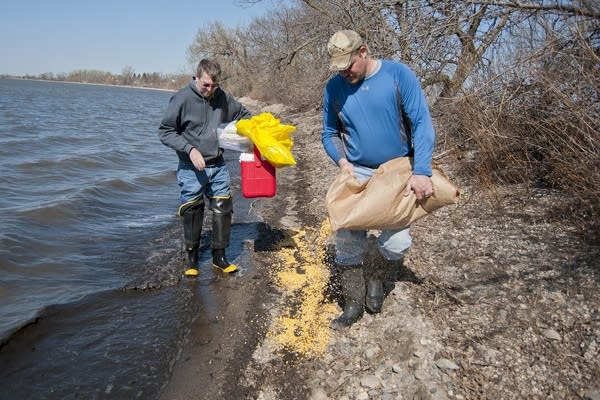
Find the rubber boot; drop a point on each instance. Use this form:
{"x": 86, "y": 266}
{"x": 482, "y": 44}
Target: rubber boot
{"x": 193, "y": 218}
{"x": 353, "y": 291}
{"x": 221, "y": 263}
{"x": 375, "y": 294}
{"x": 221, "y": 230}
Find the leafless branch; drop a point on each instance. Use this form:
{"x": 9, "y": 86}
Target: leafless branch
{"x": 558, "y": 6}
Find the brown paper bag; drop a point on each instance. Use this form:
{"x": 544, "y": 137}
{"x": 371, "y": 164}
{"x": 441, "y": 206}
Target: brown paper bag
{"x": 379, "y": 203}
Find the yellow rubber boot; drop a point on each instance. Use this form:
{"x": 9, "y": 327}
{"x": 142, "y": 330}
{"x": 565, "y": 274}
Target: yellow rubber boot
{"x": 192, "y": 266}
{"x": 220, "y": 262}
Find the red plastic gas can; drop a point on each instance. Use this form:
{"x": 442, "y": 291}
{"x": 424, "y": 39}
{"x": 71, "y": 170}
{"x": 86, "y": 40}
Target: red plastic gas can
{"x": 258, "y": 176}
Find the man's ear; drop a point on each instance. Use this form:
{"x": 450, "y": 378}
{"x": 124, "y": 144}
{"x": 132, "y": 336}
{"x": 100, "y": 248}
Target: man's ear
{"x": 363, "y": 51}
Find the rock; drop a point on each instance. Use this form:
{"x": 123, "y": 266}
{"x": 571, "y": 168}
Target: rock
{"x": 362, "y": 396}
{"x": 319, "y": 394}
{"x": 551, "y": 334}
{"x": 489, "y": 355}
{"x": 420, "y": 375}
{"x": 370, "y": 381}
{"x": 420, "y": 353}
{"x": 372, "y": 352}
{"x": 444, "y": 363}
{"x": 274, "y": 109}
{"x": 557, "y": 297}
{"x": 592, "y": 395}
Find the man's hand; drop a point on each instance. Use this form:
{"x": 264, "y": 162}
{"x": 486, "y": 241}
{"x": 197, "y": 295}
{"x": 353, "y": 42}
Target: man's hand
{"x": 197, "y": 159}
{"x": 420, "y": 185}
{"x": 346, "y": 166}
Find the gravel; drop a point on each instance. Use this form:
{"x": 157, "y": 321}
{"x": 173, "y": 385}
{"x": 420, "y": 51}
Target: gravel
{"x": 497, "y": 298}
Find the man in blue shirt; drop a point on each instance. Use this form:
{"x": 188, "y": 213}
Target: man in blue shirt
{"x": 373, "y": 111}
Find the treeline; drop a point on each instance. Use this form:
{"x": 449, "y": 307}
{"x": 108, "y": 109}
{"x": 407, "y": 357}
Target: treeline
{"x": 514, "y": 85}
{"x": 128, "y": 77}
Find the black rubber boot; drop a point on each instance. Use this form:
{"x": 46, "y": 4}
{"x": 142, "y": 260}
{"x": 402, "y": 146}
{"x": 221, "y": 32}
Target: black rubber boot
{"x": 375, "y": 294}
{"x": 353, "y": 291}
{"x": 193, "y": 217}
{"x": 219, "y": 261}
{"x": 221, "y": 230}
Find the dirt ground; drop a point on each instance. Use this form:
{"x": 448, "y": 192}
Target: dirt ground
{"x": 497, "y": 298}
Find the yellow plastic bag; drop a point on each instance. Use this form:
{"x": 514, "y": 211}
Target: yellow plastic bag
{"x": 272, "y": 138}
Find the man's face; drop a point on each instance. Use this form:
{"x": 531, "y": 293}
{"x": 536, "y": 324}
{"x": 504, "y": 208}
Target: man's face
{"x": 206, "y": 85}
{"x": 357, "y": 70}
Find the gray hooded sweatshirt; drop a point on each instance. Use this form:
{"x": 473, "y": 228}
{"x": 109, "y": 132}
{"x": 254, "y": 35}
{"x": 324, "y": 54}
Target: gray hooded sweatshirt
{"x": 191, "y": 121}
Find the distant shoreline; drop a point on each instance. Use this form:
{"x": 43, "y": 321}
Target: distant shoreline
{"x": 87, "y": 83}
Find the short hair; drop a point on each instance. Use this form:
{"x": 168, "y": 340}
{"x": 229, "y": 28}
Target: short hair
{"x": 210, "y": 68}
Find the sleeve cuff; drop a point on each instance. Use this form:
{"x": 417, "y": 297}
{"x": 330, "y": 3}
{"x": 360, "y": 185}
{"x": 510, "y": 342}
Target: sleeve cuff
{"x": 426, "y": 172}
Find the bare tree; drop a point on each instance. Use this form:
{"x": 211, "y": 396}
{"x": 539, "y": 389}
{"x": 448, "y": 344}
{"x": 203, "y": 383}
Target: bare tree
{"x": 513, "y": 83}
{"x": 127, "y": 75}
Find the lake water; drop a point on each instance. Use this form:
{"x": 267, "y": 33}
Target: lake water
{"x": 91, "y": 301}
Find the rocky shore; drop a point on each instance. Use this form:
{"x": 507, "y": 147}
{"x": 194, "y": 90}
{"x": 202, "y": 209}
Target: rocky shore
{"x": 497, "y": 299}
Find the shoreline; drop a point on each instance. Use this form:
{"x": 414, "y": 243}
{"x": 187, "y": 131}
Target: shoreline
{"x": 478, "y": 274}
{"x": 87, "y": 83}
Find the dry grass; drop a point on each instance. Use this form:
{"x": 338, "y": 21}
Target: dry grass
{"x": 542, "y": 131}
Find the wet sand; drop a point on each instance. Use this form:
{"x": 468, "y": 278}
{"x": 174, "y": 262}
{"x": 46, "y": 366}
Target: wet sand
{"x": 218, "y": 352}
{"x": 219, "y": 344}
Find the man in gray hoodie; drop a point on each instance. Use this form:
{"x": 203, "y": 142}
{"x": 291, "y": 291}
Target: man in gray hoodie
{"x": 189, "y": 127}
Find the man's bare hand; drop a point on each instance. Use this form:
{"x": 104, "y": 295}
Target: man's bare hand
{"x": 420, "y": 185}
{"x": 197, "y": 159}
{"x": 346, "y": 166}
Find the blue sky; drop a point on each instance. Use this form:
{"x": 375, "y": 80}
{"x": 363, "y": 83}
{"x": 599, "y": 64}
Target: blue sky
{"x": 39, "y": 36}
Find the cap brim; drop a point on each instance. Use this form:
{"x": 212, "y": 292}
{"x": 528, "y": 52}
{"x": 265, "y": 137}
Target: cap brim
{"x": 341, "y": 62}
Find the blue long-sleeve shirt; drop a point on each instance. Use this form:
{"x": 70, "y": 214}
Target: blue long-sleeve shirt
{"x": 364, "y": 122}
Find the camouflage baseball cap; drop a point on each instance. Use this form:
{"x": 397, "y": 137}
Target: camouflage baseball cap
{"x": 340, "y": 48}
